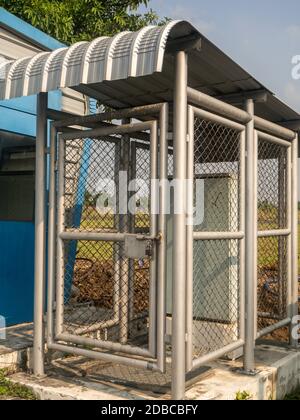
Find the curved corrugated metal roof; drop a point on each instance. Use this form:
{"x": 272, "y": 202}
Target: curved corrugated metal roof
{"x": 135, "y": 68}
{"x": 128, "y": 54}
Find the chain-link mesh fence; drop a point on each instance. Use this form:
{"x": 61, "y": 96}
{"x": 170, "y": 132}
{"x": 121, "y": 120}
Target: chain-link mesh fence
{"x": 142, "y": 175}
{"x": 216, "y": 284}
{"x": 272, "y": 293}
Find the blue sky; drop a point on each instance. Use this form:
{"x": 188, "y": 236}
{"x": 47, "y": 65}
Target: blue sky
{"x": 261, "y": 35}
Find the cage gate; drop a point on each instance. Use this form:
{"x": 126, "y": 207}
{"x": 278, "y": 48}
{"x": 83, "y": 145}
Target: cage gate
{"x": 106, "y": 259}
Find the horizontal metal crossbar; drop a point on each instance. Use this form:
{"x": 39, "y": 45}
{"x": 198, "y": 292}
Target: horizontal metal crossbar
{"x": 112, "y": 358}
{"x": 273, "y": 139}
{"x": 208, "y": 116}
{"x": 273, "y": 233}
{"x": 106, "y": 131}
{"x": 213, "y": 236}
{"x": 217, "y": 354}
{"x": 105, "y": 345}
{"x": 274, "y": 327}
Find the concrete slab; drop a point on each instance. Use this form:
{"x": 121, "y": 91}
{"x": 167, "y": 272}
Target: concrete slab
{"x": 15, "y": 348}
{"x": 74, "y": 378}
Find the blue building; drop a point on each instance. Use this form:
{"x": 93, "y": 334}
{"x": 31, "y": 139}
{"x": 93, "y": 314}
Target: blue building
{"x": 17, "y": 165}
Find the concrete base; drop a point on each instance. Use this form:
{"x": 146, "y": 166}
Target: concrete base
{"x": 15, "y": 348}
{"x": 279, "y": 374}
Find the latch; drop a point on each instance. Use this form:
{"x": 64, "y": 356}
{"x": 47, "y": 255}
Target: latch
{"x": 139, "y": 247}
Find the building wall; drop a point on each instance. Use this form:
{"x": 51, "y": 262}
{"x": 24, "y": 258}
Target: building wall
{"x": 18, "y": 126}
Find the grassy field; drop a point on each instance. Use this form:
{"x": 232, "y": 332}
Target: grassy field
{"x": 92, "y": 220}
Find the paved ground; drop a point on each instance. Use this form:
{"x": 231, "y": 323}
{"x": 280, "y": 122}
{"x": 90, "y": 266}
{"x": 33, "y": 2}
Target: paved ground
{"x": 76, "y": 378}
{"x": 15, "y": 349}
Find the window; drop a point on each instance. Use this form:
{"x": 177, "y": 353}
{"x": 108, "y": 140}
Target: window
{"x": 17, "y": 196}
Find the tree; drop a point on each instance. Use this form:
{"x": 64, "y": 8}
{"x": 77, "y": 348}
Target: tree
{"x": 71, "y": 21}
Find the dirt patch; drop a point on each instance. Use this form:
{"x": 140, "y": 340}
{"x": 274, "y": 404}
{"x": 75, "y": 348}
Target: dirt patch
{"x": 94, "y": 282}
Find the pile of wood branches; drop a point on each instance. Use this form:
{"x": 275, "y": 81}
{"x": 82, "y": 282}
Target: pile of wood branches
{"x": 94, "y": 283}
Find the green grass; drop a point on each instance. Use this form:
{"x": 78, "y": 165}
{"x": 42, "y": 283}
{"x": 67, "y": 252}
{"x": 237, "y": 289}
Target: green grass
{"x": 243, "y": 396}
{"x": 92, "y": 220}
{"x": 9, "y": 390}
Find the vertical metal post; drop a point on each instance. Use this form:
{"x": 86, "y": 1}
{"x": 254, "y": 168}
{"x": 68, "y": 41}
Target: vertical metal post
{"x": 190, "y": 241}
{"x": 40, "y": 234}
{"x": 153, "y": 233}
{"x": 242, "y": 216}
{"x": 283, "y": 211}
{"x": 162, "y": 246}
{"x": 60, "y": 227}
{"x": 179, "y": 240}
{"x": 51, "y": 238}
{"x": 124, "y": 262}
{"x": 294, "y": 215}
{"x": 250, "y": 243}
{"x": 287, "y": 262}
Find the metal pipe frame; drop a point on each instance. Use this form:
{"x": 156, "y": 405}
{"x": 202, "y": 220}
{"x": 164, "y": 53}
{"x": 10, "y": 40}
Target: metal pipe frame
{"x": 284, "y": 219}
{"x": 153, "y": 233}
{"x": 208, "y": 116}
{"x": 255, "y": 245}
{"x": 112, "y": 237}
{"x": 108, "y": 357}
{"x": 60, "y": 227}
{"x": 140, "y": 111}
{"x": 162, "y": 245}
{"x": 190, "y": 240}
{"x": 273, "y": 139}
{"x": 242, "y": 214}
{"x": 76, "y": 235}
{"x": 294, "y": 311}
{"x": 273, "y": 129}
{"x": 114, "y": 347}
{"x": 250, "y": 242}
{"x": 40, "y": 236}
{"x": 51, "y": 236}
{"x": 108, "y": 131}
{"x": 215, "y": 105}
{"x": 271, "y": 233}
{"x": 233, "y": 113}
{"x": 217, "y": 354}
{"x": 214, "y": 236}
{"x": 277, "y": 326}
{"x": 92, "y": 236}
{"x": 179, "y": 221}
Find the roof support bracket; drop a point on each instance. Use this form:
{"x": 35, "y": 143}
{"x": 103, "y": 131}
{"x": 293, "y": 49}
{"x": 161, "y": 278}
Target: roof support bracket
{"x": 188, "y": 43}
